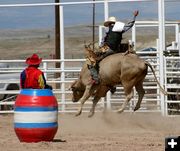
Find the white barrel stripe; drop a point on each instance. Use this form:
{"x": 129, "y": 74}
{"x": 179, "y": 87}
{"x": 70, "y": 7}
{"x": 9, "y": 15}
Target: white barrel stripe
{"x": 35, "y": 117}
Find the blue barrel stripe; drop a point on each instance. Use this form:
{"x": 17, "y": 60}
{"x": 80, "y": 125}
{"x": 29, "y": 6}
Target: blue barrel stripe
{"x": 34, "y": 92}
{"x": 35, "y": 109}
{"x": 35, "y": 125}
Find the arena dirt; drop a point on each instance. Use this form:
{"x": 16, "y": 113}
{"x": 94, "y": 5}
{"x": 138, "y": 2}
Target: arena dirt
{"x": 104, "y": 132}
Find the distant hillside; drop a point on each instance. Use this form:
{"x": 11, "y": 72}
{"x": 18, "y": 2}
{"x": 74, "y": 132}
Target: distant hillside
{"x": 18, "y": 44}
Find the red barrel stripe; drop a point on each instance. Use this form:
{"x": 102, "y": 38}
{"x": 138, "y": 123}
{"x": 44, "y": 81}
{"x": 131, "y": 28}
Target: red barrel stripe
{"x": 36, "y": 134}
{"x": 24, "y": 100}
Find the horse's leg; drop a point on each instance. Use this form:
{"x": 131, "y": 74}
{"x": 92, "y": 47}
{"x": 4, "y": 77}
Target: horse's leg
{"x": 95, "y": 101}
{"x": 85, "y": 96}
{"x": 141, "y": 92}
{"x": 128, "y": 93}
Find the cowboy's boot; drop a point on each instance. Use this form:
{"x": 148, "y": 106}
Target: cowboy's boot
{"x": 94, "y": 74}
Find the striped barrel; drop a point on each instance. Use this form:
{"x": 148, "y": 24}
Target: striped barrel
{"x": 35, "y": 115}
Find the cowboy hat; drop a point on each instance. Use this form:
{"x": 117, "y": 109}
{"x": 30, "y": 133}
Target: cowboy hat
{"x": 110, "y": 20}
{"x": 33, "y": 60}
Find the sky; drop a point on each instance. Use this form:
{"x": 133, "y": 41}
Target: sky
{"x": 43, "y": 17}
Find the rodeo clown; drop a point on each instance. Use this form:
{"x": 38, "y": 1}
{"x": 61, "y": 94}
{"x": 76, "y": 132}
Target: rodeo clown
{"x": 32, "y": 77}
{"x": 111, "y": 42}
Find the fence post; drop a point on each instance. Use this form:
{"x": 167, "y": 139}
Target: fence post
{"x": 62, "y": 59}
{"x": 166, "y": 99}
{"x": 108, "y": 100}
{"x": 45, "y": 69}
{"x": 106, "y": 10}
{"x": 100, "y": 34}
{"x": 134, "y": 36}
{"x": 158, "y": 69}
{"x": 179, "y": 43}
{"x": 177, "y": 33}
{"x": 161, "y": 49}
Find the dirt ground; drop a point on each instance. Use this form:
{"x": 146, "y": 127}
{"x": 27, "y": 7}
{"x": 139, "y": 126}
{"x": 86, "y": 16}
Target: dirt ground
{"x": 104, "y": 132}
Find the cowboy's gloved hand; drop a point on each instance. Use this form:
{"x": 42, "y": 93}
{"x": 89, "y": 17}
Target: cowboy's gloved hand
{"x": 136, "y": 13}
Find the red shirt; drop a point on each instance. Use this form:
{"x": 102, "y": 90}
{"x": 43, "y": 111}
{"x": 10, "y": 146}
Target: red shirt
{"x": 32, "y": 78}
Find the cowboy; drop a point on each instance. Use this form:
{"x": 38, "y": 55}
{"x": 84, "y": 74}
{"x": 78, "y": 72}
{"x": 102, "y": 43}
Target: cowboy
{"x": 111, "y": 41}
{"x": 32, "y": 77}
{"x": 113, "y": 37}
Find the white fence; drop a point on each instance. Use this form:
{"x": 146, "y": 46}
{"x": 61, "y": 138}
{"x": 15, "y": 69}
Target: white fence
{"x": 71, "y": 68}
{"x": 151, "y": 101}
